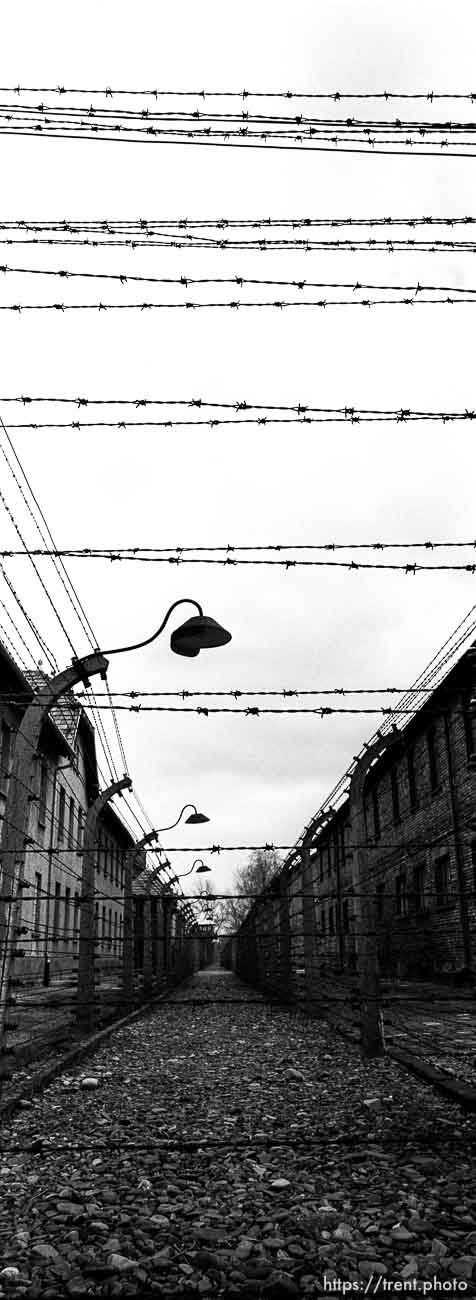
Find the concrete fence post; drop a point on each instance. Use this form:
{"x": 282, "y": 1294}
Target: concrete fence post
{"x": 128, "y": 934}
{"x": 86, "y": 962}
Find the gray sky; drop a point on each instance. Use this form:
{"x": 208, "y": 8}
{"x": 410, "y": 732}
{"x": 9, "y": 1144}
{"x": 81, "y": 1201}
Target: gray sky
{"x": 258, "y": 779}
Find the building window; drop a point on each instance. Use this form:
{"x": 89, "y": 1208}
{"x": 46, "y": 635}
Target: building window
{"x": 331, "y": 920}
{"x": 433, "y": 759}
{"x": 345, "y": 916}
{"x": 67, "y": 913}
{"x": 469, "y": 715}
{"x": 115, "y": 932}
{"x": 109, "y": 926}
{"x": 103, "y": 931}
{"x": 80, "y": 827}
{"x": 376, "y": 813}
{"x": 441, "y": 869}
{"x": 37, "y": 906}
{"x": 5, "y": 756}
{"x": 116, "y": 873}
{"x": 42, "y": 796}
{"x": 61, "y": 814}
{"x": 395, "y": 795}
{"x": 473, "y": 862}
{"x": 321, "y": 865}
{"x": 323, "y": 923}
{"x": 56, "y": 911}
{"x": 71, "y": 823}
{"x": 418, "y": 888}
{"x": 96, "y": 921}
{"x": 401, "y": 894}
{"x": 121, "y": 928}
{"x": 412, "y": 784}
{"x": 328, "y": 858}
{"x": 122, "y": 871}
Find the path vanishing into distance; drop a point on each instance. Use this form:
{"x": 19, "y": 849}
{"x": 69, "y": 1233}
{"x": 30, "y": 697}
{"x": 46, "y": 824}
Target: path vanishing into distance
{"x": 223, "y": 1146}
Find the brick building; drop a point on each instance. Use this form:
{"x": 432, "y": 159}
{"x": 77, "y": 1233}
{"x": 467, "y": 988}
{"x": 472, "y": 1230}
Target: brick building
{"x": 416, "y": 831}
{"x": 65, "y": 785}
{"x": 420, "y": 834}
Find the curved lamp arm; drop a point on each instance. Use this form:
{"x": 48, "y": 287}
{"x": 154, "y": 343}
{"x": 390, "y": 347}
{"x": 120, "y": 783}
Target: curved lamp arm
{"x": 192, "y": 868}
{"x": 122, "y": 649}
{"x": 179, "y": 818}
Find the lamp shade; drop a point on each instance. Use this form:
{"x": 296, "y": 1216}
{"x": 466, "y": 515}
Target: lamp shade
{"x": 196, "y": 819}
{"x": 203, "y": 867}
{"x": 198, "y": 633}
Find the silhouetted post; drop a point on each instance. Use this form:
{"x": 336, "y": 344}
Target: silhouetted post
{"x": 86, "y": 963}
{"x": 285, "y": 971}
{"x": 371, "y": 1023}
{"x": 128, "y": 934}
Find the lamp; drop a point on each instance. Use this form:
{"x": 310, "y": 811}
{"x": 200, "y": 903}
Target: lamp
{"x": 198, "y": 633}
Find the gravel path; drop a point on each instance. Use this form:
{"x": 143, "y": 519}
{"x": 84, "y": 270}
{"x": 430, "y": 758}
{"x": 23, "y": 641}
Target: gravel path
{"x": 234, "y": 1149}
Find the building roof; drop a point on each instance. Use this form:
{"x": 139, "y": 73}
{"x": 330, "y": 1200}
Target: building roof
{"x": 65, "y": 714}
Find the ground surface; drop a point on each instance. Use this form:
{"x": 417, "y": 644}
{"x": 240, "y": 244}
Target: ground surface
{"x": 235, "y": 1149}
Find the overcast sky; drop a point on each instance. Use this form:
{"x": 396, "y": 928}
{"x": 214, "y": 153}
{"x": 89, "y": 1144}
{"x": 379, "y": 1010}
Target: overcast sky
{"x": 259, "y": 779}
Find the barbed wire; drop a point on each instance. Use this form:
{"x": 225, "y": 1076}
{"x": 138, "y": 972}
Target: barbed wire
{"x": 403, "y": 137}
{"x": 184, "y": 281}
{"x": 214, "y": 422}
{"x": 259, "y": 245}
{"x": 143, "y": 224}
{"x": 256, "y": 711}
{"x": 21, "y": 697}
{"x": 203, "y": 1145}
{"x": 236, "y": 304}
{"x": 301, "y": 412}
{"x": 108, "y": 92}
{"x": 233, "y": 562}
{"x": 269, "y": 894}
{"x": 215, "y": 849}
{"x": 169, "y": 121}
{"x": 401, "y": 414}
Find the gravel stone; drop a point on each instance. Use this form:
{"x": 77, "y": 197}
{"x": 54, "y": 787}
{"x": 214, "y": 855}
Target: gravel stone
{"x": 230, "y": 1151}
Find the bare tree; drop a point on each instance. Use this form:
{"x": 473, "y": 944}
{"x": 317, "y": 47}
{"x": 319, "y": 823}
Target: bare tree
{"x": 248, "y": 881}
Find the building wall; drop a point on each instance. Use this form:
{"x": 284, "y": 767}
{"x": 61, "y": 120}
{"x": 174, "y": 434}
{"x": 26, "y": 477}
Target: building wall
{"x": 56, "y": 827}
{"x": 64, "y": 783}
{"x": 420, "y": 832}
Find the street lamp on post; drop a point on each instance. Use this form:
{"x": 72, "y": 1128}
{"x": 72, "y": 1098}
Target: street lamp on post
{"x": 198, "y": 866}
{"x": 195, "y": 819}
{"x": 198, "y": 633}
